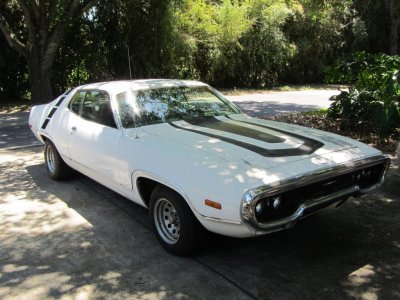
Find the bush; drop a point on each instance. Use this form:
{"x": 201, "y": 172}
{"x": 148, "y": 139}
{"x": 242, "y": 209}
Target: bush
{"x": 374, "y": 93}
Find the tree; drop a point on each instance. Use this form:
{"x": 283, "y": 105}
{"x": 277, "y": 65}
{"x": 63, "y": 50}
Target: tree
{"x": 13, "y": 82}
{"x": 318, "y": 32}
{"x": 266, "y": 49}
{"x": 382, "y": 21}
{"x": 35, "y": 30}
{"x": 393, "y": 7}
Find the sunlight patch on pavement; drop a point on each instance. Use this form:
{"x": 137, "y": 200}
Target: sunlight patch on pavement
{"x": 25, "y": 208}
{"x": 7, "y": 156}
{"x": 362, "y": 275}
{"x": 36, "y": 286}
{"x": 360, "y": 283}
{"x": 34, "y": 217}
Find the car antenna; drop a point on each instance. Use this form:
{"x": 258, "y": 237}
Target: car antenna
{"x": 130, "y": 79}
{"x": 129, "y": 64}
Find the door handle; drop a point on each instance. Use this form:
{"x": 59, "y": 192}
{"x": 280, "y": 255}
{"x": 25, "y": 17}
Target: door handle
{"x": 73, "y": 129}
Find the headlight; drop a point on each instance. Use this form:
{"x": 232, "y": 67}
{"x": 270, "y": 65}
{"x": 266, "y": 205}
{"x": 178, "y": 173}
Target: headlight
{"x": 276, "y": 201}
{"x": 259, "y": 207}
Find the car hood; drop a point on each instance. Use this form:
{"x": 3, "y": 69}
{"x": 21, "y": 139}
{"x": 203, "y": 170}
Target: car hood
{"x": 252, "y": 142}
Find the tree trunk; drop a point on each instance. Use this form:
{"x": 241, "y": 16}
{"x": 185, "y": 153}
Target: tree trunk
{"x": 39, "y": 79}
{"x": 45, "y": 30}
{"x": 394, "y": 27}
{"x": 394, "y": 37}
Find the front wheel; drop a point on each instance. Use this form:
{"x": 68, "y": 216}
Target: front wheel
{"x": 173, "y": 222}
{"x": 56, "y": 167}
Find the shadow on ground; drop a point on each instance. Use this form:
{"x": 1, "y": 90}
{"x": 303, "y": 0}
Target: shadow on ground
{"x": 62, "y": 239}
{"x": 79, "y": 238}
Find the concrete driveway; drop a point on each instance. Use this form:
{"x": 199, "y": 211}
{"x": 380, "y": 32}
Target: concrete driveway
{"x": 78, "y": 240}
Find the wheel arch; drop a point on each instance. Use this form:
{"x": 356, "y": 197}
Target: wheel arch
{"x": 146, "y": 183}
{"x": 44, "y": 137}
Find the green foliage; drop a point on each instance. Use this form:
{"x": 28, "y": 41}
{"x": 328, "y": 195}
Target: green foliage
{"x": 267, "y": 49}
{"x": 236, "y": 42}
{"x": 228, "y": 43}
{"x": 77, "y": 75}
{"x": 374, "y": 95}
{"x": 263, "y": 42}
{"x": 322, "y": 31}
{"x": 212, "y": 31}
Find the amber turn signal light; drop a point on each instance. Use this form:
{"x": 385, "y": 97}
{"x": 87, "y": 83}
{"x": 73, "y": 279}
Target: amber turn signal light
{"x": 212, "y": 204}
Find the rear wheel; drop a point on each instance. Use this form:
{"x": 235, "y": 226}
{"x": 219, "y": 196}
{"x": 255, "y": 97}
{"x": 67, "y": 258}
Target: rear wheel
{"x": 56, "y": 167}
{"x": 173, "y": 222}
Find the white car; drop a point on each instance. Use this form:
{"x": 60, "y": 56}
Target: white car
{"x": 189, "y": 155}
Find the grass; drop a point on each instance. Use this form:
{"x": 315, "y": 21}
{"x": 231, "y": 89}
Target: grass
{"x": 294, "y": 87}
{"x": 320, "y": 112}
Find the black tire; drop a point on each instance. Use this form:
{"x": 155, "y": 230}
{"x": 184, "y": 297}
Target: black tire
{"x": 55, "y": 165}
{"x": 169, "y": 212}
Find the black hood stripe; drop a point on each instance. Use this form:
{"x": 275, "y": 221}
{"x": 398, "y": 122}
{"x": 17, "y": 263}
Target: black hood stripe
{"x": 214, "y": 123}
{"x": 309, "y": 143}
{"x": 308, "y": 147}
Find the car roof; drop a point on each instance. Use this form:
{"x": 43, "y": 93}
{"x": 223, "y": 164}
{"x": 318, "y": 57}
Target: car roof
{"x": 117, "y": 86}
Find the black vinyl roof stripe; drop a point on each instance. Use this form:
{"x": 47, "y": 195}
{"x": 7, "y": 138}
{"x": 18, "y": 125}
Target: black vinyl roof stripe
{"x": 45, "y": 123}
{"x": 302, "y": 150}
{"x": 60, "y": 101}
{"x": 217, "y": 124}
{"x": 52, "y": 112}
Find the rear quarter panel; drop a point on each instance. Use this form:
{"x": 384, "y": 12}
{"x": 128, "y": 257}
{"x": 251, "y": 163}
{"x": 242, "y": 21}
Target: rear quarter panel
{"x": 37, "y": 116}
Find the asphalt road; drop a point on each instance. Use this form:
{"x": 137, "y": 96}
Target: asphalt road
{"x": 76, "y": 239}
{"x": 15, "y": 131}
{"x": 273, "y": 103}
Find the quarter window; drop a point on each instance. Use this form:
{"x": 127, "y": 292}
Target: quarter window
{"x": 97, "y": 108}
{"x": 93, "y": 106}
{"x": 76, "y": 102}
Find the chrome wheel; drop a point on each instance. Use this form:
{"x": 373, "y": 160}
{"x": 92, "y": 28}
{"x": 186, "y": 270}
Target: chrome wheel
{"x": 50, "y": 159}
{"x": 166, "y": 221}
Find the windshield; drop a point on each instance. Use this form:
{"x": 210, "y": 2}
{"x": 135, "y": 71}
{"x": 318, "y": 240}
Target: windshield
{"x": 172, "y": 104}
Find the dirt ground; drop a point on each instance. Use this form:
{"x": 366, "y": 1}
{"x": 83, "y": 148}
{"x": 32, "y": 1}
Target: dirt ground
{"x": 78, "y": 240}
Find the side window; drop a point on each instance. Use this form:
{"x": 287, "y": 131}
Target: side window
{"x": 76, "y": 102}
{"x": 97, "y": 108}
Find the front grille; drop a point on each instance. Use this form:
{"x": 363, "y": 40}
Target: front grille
{"x": 292, "y": 199}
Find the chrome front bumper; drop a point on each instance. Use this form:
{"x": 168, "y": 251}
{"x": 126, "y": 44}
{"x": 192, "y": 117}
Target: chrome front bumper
{"x": 250, "y": 198}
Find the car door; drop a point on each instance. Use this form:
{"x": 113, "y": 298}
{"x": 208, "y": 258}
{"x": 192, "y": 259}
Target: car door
{"x": 94, "y": 137}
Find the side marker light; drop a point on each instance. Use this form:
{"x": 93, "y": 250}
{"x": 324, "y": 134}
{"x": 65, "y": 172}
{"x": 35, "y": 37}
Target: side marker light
{"x": 212, "y": 204}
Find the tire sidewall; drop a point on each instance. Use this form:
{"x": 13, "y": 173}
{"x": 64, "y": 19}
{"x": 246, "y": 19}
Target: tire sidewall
{"x": 184, "y": 245}
{"x": 54, "y": 174}
{"x": 62, "y": 170}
